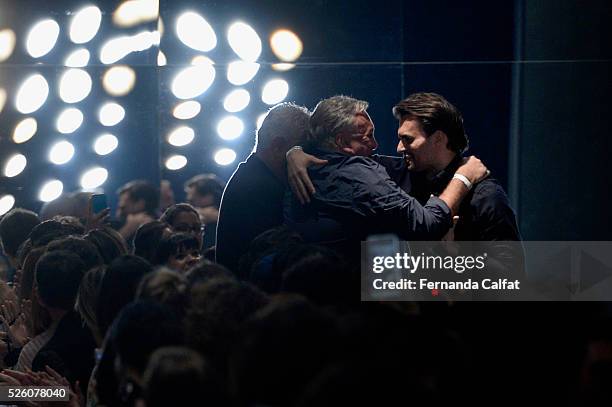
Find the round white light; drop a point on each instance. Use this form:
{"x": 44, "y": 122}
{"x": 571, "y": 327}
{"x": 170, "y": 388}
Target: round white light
{"x": 75, "y": 85}
{"x": 134, "y": 12}
{"x": 85, "y": 24}
{"x": 32, "y": 94}
{"x": 25, "y": 130}
{"x": 275, "y": 91}
{"x": 260, "y": 120}
{"x": 236, "y": 100}
{"x": 111, "y": 114}
{"x": 6, "y": 204}
{"x": 286, "y": 45}
{"x": 186, "y": 110}
{"x": 51, "y": 190}
{"x": 225, "y": 156}
{"x": 2, "y": 99}
{"x": 195, "y": 32}
{"x": 15, "y": 165}
{"x": 240, "y": 72}
{"x": 193, "y": 81}
{"x": 7, "y": 43}
{"x": 176, "y": 162}
{"x": 244, "y": 41}
{"x": 42, "y": 38}
{"x": 181, "y": 136}
{"x": 61, "y": 153}
{"x": 119, "y": 80}
{"x": 94, "y": 177}
{"x": 105, "y": 144}
{"x": 77, "y": 59}
{"x": 230, "y": 128}
{"x": 69, "y": 120}
{"x": 161, "y": 59}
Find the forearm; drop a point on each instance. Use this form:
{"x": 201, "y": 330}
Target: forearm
{"x": 453, "y": 194}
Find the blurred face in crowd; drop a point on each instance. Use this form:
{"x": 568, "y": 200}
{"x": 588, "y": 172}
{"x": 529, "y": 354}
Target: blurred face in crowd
{"x": 184, "y": 259}
{"x": 127, "y": 206}
{"x": 362, "y": 141}
{"x": 188, "y": 222}
{"x": 197, "y": 200}
{"x": 417, "y": 148}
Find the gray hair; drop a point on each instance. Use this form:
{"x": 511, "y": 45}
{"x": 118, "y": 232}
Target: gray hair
{"x": 284, "y": 120}
{"x": 332, "y": 116}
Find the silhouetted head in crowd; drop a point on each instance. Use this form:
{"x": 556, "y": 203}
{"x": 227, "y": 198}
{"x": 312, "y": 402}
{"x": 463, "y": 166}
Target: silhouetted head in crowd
{"x": 319, "y": 274}
{"x": 164, "y": 286}
{"x": 109, "y": 242}
{"x": 73, "y": 204}
{"x": 179, "y": 252}
{"x": 257, "y": 262}
{"x": 205, "y": 271}
{"x": 137, "y": 196}
{"x": 166, "y": 195}
{"x": 79, "y": 246}
{"x": 140, "y": 329}
{"x": 87, "y": 299}
{"x": 204, "y": 190}
{"x": 15, "y": 226}
{"x": 118, "y": 288}
{"x": 183, "y": 218}
{"x": 217, "y": 310}
{"x": 147, "y": 239}
{"x": 28, "y": 271}
{"x": 58, "y": 276}
{"x": 178, "y": 376}
{"x": 49, "y": 230}
{"x": 284, "y": 346}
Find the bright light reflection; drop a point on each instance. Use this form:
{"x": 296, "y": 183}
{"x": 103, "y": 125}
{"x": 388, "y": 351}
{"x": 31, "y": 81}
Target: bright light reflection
{"x": 61, "y": 153}
{"x": 105, "y": 144}
{"x": 119, "y": 80}
{"x": 51, "y": 190}
{"x": 286, "y": 45}
{"x": 85, "y": 24}
{"x": 181, "y": 136}
{"x": 94, "y": 177}
{"x": 32, "y": 94}
{"x": 42, "y": 38}
{"x": 74, "y": 85}
{"x": 69, "y": 120}
{"x": 230, "y": 128}
{"x": 194, "y": 31}
{"x": 77, "y": 59}
{"x": 25, "y": 130}
{"x": 176, "y": 162}
{"x": 193, "y": 81}
{"x": 244, "y": 41}
{"x": 240, "y": 72}
{"x": 187, "y": 110}
{"x": 275, "y": 91}
{"x": 225, "y": 156}
{"x": 15, "y": 165}
{"x": 6, "y": 204}
{"x": 111, "y": 114}
{"x": 236, "y": 100}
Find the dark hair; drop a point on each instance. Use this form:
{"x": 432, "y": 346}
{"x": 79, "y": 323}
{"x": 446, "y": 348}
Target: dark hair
{"x": 178, "y": 376}
{"x": 15, "y": 227}
{"x": 147, "y": 240}
{"x": 164, "y": 286}
{"x": 119, "y": 287}
{"x": 86, "y": 250}
{"x": 87, "y": 298}
{"x": 109, "y": 242}
{"x": 58, "y": 276}
{"x": 169, "y": 216}
{"x": 141, "y": 189}
{"x": 435, "y": 113}
{"x": 205, "y": 271}
{"x": 207, "y": 184}
{"x": 141, "y": 328}
{"x": 175, "y": 244}
{"x": 217, "y": 311}
{"x": 51, "y": 229}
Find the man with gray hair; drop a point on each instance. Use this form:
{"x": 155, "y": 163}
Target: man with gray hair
{"x": 355, "y": 196}
{"x": 253, "y": 198}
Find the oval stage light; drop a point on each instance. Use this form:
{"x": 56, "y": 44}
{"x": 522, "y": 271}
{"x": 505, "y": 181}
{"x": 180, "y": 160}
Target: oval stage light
{"x": 32, "y": 94}
{"x": 236, "y": 100}
{"x": 94, "y": 177}
{"x": 194, "y": 31}
{"x": 111, "y": 114}
{"x": 176, "y": 162}
{"x": 25, "y": 130}
{"x": 51, "y": 190}
{"x": 75, "y": 85}
{"x": 69, "y": 120}
{"x": 6, "y": 203}
{"x": 230, "y": 128}
{"x": 244, "y": 41}
{"x": 187, "y": 110}
{"x": 105, "y": 144}
{"x": 85, "y": 24}
{"x": 225, "y": 156}
{"x": 61, "y": 152}
{"x": 193, "y": 81}
{"x": 275, "y": 91}
{"x": 15, "y": 165}
{"x": 42, "y": 38}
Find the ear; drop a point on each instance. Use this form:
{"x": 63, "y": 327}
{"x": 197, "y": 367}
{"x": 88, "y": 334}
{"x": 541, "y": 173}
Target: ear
{"x": 343, "y": 145}
{"x": 440, "y": 138}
